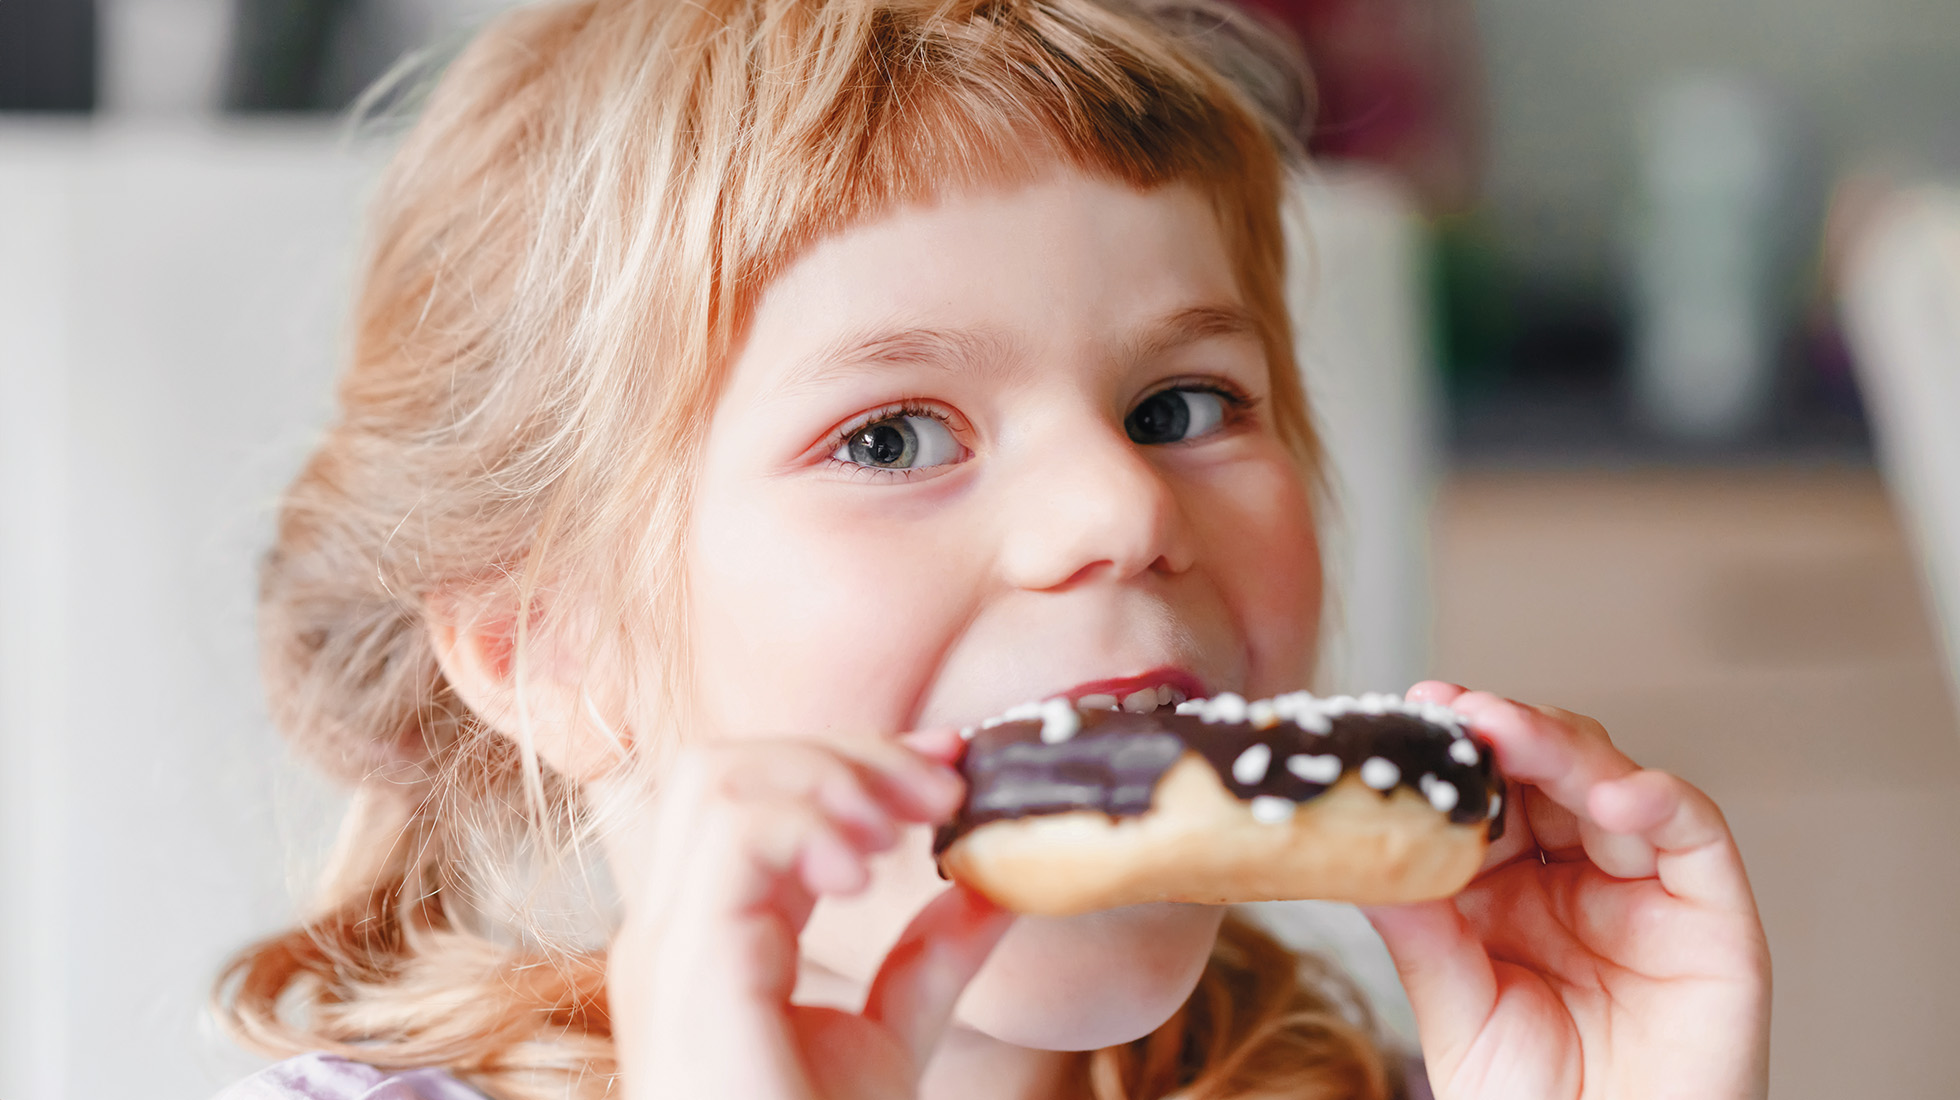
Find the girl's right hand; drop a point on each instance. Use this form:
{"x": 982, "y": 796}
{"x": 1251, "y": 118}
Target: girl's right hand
{"x": 748, "y": 835}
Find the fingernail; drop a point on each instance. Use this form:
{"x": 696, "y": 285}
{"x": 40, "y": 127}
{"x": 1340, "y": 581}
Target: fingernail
{"x": 942, "y": 744}
{"x": 917, "y": 738}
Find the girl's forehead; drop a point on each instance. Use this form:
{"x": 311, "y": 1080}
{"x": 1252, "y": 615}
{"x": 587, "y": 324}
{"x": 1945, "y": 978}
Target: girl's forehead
{"x": 1068, "y": 256}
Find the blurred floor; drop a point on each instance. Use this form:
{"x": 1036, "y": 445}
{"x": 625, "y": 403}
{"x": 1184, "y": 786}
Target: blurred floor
{"x": 1761, "y": 632}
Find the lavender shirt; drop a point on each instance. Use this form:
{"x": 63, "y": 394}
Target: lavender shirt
{"x": 331, "y": 1077}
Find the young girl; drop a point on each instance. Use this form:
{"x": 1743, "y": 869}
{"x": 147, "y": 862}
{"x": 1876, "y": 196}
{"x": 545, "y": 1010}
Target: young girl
{"x": 744, "y": 394}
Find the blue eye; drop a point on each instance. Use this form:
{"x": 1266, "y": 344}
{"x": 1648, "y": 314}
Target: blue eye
{"x": 905, "y": 442}
{"x": 1175, "y": 415}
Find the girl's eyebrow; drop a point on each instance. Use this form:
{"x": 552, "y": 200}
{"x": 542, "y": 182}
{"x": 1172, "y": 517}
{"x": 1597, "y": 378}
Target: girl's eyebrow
{"x": 868, "y": 349}
{"x": 958, "y": 348}
{"x": 1188, "y": 326}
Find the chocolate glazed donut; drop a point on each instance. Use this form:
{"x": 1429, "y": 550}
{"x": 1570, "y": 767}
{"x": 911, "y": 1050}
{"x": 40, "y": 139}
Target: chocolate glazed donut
{"x": 1372, "y": 800}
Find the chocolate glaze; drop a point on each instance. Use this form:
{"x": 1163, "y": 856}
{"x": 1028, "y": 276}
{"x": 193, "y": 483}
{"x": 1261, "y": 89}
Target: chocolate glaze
{"x": 1113, "y": 764}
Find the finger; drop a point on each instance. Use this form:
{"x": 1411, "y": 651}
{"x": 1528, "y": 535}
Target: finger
{"x": 1520, "y": 837}
{"x": 1620, "y": 854}
{"x": 902, "y": 783}
{"x": 736, "y": 859}
{"x": 942, "y": 744}
{"x": 1435, "y": 691}
{"x": 766, "y": 827}
{"x": 912, "y": 785}
{"x": 835, "y": 785}
{"x": 829, "y": 862}
{"x": 844, "y": 798}
{"x": 1562, "y": 754}
{"x": 797, "y": 842}
{"x": 732, "y": 894}
{"x": 1444, "y": 968}
{"x": 921, "y": 979}
{"x": 1695, "y": 854}
{"x": 1535, "y": 823}
{"x": 1554, "y": 827}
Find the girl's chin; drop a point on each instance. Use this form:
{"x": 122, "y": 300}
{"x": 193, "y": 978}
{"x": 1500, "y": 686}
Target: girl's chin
{"x": 1092, "y": 981}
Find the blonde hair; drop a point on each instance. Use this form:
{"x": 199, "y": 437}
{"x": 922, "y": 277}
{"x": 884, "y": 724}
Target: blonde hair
{"x": 563, "y": 251}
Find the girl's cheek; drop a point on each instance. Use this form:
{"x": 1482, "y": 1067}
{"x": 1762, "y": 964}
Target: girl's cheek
{"x": 1258, "y": 527}
{"x": 810, "y": 617}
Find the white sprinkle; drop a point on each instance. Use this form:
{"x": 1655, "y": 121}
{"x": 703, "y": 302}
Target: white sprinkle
{"x": 1496, "y": 806}
{"x": 1315, "y": 769}
{"x": 1262, "y": 714}
{"x": 1023, "y": 712}
{"x": 1250, "y": 768}
{"x": 990, "y": 723}
{"x": 1098, "y": 701}
{"x": 1300, "y": 706}
{"x": 1336, "y": 705}
{"x": 1379, "y": 773}
{"x": 1191, "y": 706}
{"x": 1312, "y": 720}
{"x": 1441, "y": 715}
{"x": 1464, "y": 752}
{"x": 1226, "y": 708}
{"x": 1142, "y": 701}
{"x": 1442, "y": 793}
{"x": 1270, "y": 810}
{"x": 967, "y": 732}
{"x": 1376, "y": 703}
{"x": 1059, "y": 721}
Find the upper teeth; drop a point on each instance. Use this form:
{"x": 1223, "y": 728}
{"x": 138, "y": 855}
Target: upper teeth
{"x": 1141, "y": 701}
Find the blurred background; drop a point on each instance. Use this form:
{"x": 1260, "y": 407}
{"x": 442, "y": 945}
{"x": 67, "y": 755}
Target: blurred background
{"x": 1634, "y": 329}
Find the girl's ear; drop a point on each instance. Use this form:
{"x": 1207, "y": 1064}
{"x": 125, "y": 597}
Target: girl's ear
{"x": 474, "y": 633}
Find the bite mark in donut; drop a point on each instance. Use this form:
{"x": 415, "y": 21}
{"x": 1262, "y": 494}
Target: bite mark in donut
{"x": 1371, "y": 799}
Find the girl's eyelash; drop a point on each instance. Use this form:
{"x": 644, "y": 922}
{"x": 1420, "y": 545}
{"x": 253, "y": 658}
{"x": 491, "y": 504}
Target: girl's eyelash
{"x": 1236, "y": 400}
{"x": 889, "y": 412}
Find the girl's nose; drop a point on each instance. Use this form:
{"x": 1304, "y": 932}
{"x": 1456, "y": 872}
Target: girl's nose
{"x": 1100, "y": 506}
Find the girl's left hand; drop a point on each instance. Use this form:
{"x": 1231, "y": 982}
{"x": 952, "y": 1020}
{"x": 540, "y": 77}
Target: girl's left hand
{"x": 1610, "y": 947}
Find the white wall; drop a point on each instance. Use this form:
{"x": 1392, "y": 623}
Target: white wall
{"x": 1356, "y": 289}
{"x": 167, "y": 305}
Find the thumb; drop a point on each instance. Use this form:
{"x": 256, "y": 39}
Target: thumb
{"x": 921, "y": 980}
{"x": 1444, "y": 968}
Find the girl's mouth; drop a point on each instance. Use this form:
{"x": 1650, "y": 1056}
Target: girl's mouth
{"x": 1159, "y": 687}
